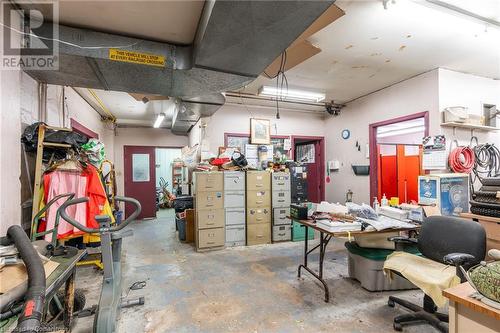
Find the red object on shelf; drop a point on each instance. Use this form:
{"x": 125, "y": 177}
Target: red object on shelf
{"x": 220, "y": 161}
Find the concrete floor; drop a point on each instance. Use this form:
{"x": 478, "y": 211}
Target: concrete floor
{"x": 245, "y": 289}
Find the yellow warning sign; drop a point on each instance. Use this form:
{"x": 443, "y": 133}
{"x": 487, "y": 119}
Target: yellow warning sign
{"x": 137, "y": 57}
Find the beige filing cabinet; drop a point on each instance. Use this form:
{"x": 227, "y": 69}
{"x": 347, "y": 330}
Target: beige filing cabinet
{"x": 258, "y": 197}
{"x": 281, "y": 199}
{"x": 209, "y": 205}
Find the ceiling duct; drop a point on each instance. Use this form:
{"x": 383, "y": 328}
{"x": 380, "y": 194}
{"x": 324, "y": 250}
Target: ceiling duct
{"x": 234, "y": 43}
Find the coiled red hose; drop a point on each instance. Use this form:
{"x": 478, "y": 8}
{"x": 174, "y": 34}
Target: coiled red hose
{"x": 461, "y": 159}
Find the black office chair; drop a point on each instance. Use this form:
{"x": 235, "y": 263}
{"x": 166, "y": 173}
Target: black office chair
{"x": 448, "y": 240}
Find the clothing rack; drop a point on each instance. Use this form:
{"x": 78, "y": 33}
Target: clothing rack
{"x": 41, "y": 144}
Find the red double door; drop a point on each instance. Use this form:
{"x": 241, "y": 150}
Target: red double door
{"x": 140, "y": 179}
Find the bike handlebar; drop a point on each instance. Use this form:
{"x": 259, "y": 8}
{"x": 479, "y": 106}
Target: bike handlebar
{"x": 76, "y": 224}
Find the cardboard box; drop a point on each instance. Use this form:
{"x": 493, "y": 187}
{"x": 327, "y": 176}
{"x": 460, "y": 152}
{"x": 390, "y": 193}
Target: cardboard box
{"x": 190, "y": 225}
{"x": 448, "y": 191}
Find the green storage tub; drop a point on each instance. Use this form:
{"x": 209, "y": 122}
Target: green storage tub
{"x": 299, "y": 232}
{"x": 366, "y": 265}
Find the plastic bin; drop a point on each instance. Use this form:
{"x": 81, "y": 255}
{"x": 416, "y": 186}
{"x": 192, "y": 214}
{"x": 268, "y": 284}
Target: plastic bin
{"x": 366, "y": 265}
{"x": 181, "y": 227}
{"x": 299, "y": 232}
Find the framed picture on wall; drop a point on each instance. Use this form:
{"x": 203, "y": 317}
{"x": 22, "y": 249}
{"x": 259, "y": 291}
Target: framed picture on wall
{"x": 260, "y": 131}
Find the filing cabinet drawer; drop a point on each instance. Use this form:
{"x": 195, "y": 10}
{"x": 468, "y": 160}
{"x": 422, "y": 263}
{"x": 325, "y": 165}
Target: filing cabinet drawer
{"x": 281, "y": 199}
{"x": 211, "y": 237}
{"x": 258, "y": 198}
{"x": 235, "y": 235}
{"x": 235, "y": 216}
{"x": 282, "y": 233}
{"x": 234, "y": 181}
{"x": 210, "y": 218}
{"x": 258, "y": 234}
{"x": 280, "y": 216}
{"x": 258, "y": 180}
{"x": 209, "y": 200}
{"x": 299, "y": 187}
{"x": 281, "y": 181}
{"x": 208, "y": 181}
{"x": 258, "y": 215}
{"x": 234, "y": 199}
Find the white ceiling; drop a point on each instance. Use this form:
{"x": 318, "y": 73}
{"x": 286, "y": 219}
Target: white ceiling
{"x": 370, "y": 47}
{"x": 167, "y": 21}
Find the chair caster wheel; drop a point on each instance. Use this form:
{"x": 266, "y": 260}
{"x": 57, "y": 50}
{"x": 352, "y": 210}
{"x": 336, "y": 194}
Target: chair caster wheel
{"x": 397, "y": 327}
{"x": 391, "y": 303}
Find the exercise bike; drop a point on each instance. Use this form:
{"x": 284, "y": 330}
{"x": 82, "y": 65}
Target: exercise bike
{"x": 110, "y": 300}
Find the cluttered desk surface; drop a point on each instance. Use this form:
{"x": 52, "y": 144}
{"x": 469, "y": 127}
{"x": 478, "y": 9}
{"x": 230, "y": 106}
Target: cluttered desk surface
{"x": 311, "y": 223}
{"x": 352, "y": 219}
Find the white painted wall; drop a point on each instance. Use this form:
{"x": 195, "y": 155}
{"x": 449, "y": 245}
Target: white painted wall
{"x": 471, "y": 91}
{"x": 10, "y": 146}
{"x": 415, "y": 95}
{"x": 19, "y": 108}
{"x": 236, "y": 119}
{"x": 141, "y": 137}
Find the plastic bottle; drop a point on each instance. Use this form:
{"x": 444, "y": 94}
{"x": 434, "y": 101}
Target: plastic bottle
{"x": 376, "y": 205}
{"x": 384, "y": 201}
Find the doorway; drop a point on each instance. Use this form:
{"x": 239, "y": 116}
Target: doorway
{"x": 396, "y": 156}
{"x": 147, "y": 169}
{"x": 140, "y": 179}
{"x": 399, "y": 166}
{"x": 311, "y": 151}
{"x": 165, "y": 175}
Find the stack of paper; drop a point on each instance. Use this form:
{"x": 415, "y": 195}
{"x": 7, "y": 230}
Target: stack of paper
{"x": 337, "y": 226}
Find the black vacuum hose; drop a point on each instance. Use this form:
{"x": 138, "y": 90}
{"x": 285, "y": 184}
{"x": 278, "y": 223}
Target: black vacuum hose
{"x": 31, "y": 315}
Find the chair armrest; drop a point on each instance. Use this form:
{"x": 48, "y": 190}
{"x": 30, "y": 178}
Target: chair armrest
{"x": 458, "y": 259}
{"x": 402, "y": 239}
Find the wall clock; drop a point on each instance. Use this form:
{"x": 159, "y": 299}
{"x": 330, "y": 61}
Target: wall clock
{"x": 346, "y": 134}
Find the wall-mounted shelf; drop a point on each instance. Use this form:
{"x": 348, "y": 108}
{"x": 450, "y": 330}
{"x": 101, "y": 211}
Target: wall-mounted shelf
{"x": 470, "y": 126}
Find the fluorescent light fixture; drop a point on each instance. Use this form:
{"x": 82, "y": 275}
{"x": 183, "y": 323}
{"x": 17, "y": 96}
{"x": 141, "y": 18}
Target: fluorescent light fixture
{"x": 292, "y": 94}
{"x": 409, "y": 130}
{"x": 159, "y": 120}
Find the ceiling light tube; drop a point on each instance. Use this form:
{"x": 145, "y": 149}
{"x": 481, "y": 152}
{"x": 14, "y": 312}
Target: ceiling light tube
{"x": 159, "y": 120}
{"x": 292, "y": 94}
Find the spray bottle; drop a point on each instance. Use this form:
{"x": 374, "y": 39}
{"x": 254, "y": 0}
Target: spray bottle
{"x": 384, "y": 201}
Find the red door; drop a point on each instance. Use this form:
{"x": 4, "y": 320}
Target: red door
{"x": 140, "y": 179}
{"x": 315, "y": 169}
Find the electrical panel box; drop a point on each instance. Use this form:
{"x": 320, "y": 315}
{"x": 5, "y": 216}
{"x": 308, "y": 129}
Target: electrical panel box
{"x": 448, "y": 191}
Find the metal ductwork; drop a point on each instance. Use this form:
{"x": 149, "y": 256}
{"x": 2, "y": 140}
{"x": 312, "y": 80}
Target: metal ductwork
{"x": 234, "y": 43}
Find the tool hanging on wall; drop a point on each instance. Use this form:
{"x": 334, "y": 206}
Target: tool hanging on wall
{"x": 461, "y": 159}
